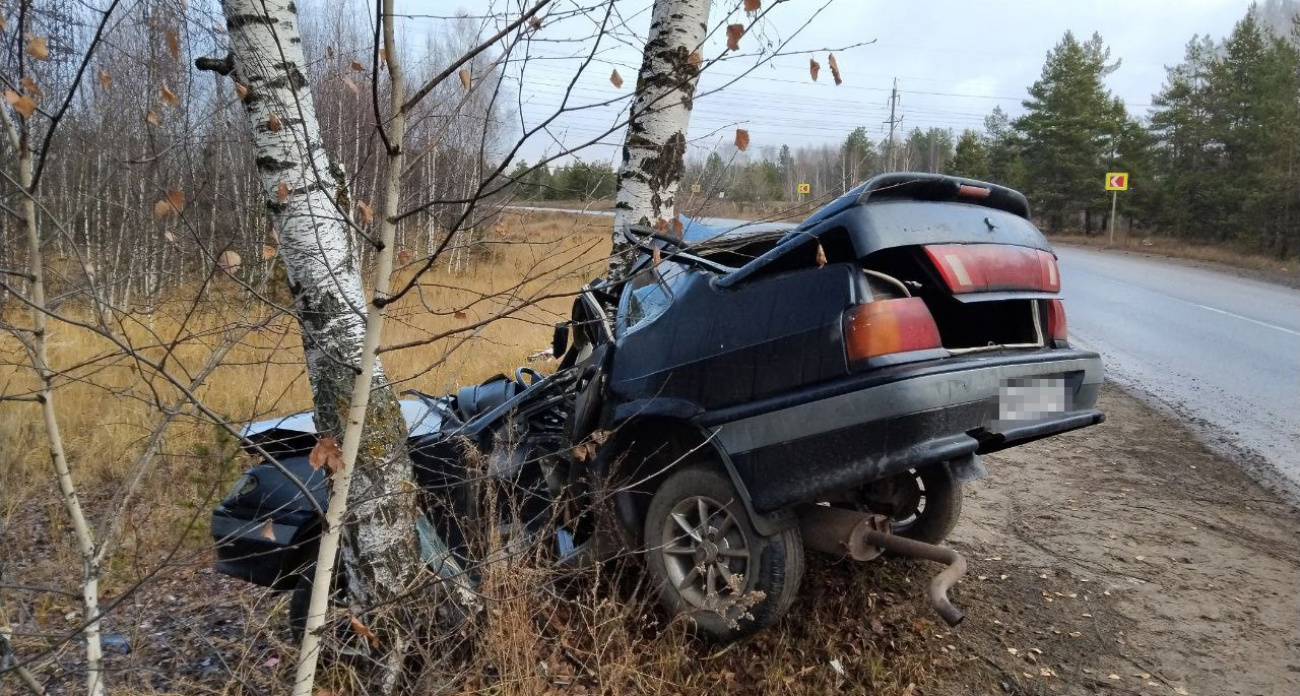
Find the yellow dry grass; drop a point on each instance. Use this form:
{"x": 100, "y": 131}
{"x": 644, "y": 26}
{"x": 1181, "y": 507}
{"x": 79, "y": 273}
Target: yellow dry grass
{"x": 524, "y": 273}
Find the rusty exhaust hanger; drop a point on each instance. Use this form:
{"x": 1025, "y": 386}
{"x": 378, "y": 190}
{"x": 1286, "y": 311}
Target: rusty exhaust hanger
{"x": 863, "y": 536}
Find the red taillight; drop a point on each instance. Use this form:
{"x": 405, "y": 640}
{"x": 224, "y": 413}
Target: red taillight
{"x": 885, "y": 327}
{"x": 1056, "y": 328}
{"x": 984, "y": 267}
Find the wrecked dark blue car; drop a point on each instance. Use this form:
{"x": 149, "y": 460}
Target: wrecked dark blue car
{"x": 743, "y": 394}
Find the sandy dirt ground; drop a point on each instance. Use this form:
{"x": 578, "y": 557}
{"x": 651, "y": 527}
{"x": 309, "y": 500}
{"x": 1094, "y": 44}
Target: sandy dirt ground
{"x": 1128, "y": 559}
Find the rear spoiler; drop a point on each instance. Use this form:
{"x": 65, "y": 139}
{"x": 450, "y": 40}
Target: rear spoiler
{"x": 936, "y": 187}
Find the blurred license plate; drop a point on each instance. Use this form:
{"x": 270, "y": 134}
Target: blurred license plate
{"x": 1031, "y": 398}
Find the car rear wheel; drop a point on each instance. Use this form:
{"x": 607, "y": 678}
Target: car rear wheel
{"x": 922, "y": 504}
{"x": 711, "y": 564}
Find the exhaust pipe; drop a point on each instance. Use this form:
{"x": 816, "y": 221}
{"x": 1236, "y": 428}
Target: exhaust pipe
{"x": 863, "y": 536}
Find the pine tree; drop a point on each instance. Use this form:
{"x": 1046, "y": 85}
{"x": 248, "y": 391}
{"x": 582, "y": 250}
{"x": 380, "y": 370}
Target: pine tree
{"x": 1071, "y": 131}
{"x": 1006, "y": 165}
{"x": 972, "y": 156}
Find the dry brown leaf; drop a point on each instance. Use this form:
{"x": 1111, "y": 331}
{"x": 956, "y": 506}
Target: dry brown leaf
{"x": 465, "y": 78}
{"x": 742, "y": 139}
{"x": 268, "y": 252}
{"x": 37, "y": 48}
{"x": 357, "y": 67}
{"x": 268, "y": 530}
{"x": 364, "y": 632}
{"x": 104, "y": 80}
{"x": 282, "y": 192}
{"x": 734, "y": 32}
{"x": 30, "y": 86}
{"x": 821, "y": 255}
{"x": 365, "y": 212}
{"x": 461, "y": 315}
{"x": 273, "y": 123}
{"x": 169, "y": 236}
{"x": 329, "y": 52}
{"x": 350, "y": 84}
{"x": 835, "y": 69}
{"x": 814, "y": 68}
{"x": 172, "y": 204}
{"x": 616, "y": 79}
{"x": 695, "y": 59}
{"x": 655, "y": 257}
{"x": 23, "y": 104}
{"x": 152, "y": 117}
{"x": 383, "y": 57}
{"x": 229, "y": 261}
{"x": 241, "y": 91}
{"x": 327, "y": 454}
{"x": 3, "y": 26}
{"x": 678, "y": 229}
{"x": 169, "y": 96}
{"x": 753, "y": 5}
{"x": 173, "y": 44}
{"x": 535, "y": 22}
{"x": 404, "y": 256}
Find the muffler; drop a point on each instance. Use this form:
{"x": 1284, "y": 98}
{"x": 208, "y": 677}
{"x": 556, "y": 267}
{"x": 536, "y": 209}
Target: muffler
{"x": 863, "y": 536}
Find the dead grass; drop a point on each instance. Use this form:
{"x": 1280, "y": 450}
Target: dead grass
{"x": 195, "y": 631}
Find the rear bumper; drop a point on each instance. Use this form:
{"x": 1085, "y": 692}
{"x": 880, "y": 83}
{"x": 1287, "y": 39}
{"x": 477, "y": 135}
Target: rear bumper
{"x": 836, "y": 436}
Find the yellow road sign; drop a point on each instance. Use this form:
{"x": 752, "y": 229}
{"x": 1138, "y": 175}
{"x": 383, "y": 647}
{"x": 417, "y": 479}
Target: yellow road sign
{"x": 1116, "y": 181}
{"x": 695, "y": 188}
{"x": 805, "y": 188}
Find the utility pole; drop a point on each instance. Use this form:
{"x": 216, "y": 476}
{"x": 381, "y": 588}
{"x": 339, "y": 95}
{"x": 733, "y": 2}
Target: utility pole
{"x": 893, "y": 121}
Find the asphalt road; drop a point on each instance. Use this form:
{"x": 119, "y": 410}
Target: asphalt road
{"x": 1220, "y": 350}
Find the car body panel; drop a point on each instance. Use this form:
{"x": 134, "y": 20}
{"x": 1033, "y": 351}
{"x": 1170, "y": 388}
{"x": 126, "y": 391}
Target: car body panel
{"x": 716, "y": 348}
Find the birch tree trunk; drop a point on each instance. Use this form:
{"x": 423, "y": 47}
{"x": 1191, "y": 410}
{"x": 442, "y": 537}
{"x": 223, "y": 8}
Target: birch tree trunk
{"x": 307, "y": 195}
{"x": 39, "y": 352}
{"x": 656, "y": 132}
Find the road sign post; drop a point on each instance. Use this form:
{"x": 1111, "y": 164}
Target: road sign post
{"x": 1115, "y": 182}
{"x": 804, "y": 189}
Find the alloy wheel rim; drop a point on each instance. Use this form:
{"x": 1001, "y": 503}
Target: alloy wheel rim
{"x": 705, "y": 553}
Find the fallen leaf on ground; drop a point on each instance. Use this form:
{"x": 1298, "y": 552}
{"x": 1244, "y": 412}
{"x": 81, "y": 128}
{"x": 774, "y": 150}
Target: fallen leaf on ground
{"x": 363, "y": 631}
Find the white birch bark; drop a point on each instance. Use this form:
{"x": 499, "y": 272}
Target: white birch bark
{"x": 91, "y": 568}
{"x": 656, "y": 133}
{"x": 308, "y": 197}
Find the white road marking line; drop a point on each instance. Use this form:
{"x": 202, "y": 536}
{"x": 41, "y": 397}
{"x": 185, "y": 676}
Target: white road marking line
{"x": 1253, "y": 321}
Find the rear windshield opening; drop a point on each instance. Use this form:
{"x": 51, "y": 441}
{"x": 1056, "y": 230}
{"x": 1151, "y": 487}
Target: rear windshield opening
{"x": 962, "y": 325}
{"x": 984, "y": 324}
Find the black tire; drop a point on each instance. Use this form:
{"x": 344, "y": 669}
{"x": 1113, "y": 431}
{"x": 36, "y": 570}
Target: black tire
{"x": 300, "y": 602}
{"x": 933, "y": 517}
{"x": 764, "y": 571}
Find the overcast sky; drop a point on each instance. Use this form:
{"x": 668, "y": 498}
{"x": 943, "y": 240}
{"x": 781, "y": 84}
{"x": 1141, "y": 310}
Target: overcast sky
{"x": 954, "y": 60}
